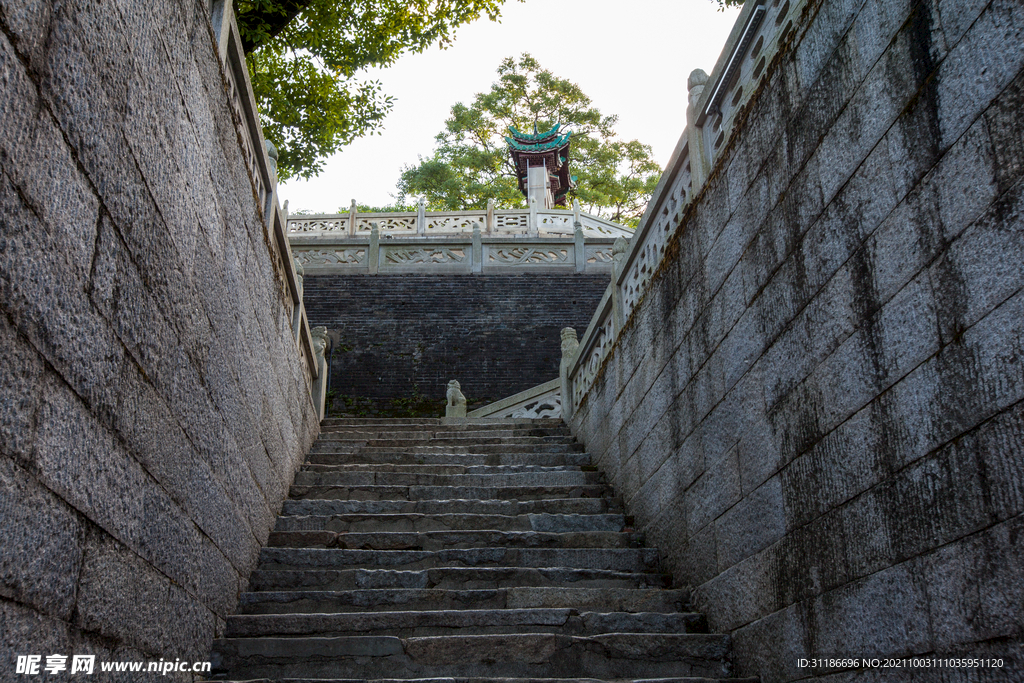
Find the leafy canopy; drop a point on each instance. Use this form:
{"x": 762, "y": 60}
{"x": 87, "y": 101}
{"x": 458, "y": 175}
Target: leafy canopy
{"x": 303, "y": 59}
{"x": 471, "y": 163}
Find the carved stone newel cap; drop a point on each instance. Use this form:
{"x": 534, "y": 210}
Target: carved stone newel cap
{"x": 697, "y": 77}
{"x": 569, "y": 342}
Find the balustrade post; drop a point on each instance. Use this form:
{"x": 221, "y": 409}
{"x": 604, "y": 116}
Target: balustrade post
{"x": 489, "y": 225}
{"x": 299, "y": 273}
{"x": 619, "y": 249}
{"x": 373, "y": 253}
{"x": 272, "y": 156}
{"x": 570, "y": 345}
{"x": 220, "y": 17}
{"x": 352, "y": 219}
{"x": 318, "y": 336}
{"x": 579, "y": 246}
{"x": 533, "y": 228}
{"x": 421, "y": 216}
{"x": 700, "y": 164}
{"x": 478, "y": 249}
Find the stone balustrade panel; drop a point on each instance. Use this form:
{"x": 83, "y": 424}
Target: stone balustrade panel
{"x": 387, "y": 223}
{"x": 771, "y": 26}
{"x": 455, "y": 222}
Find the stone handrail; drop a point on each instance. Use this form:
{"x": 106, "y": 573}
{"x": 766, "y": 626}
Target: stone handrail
{"x": 541, "y": 401}
{"x": 261, "y": 159}
{"x": 716, "y": 103}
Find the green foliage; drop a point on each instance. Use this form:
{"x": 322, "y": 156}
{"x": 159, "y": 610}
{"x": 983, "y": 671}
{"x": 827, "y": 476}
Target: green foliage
{"x": 394, "y": 207}
{"x": 722, "y": 4}
{"x": 471, "y": 163}
{"x": 304, "y": 56}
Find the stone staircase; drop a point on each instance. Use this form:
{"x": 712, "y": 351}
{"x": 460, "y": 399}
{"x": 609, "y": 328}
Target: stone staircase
{"x": 479, "y": 551}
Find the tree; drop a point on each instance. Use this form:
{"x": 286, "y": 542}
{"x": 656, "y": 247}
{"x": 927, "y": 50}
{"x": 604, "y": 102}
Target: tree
{"x": 471, "y": 163}
{"x": 304, "y": 56}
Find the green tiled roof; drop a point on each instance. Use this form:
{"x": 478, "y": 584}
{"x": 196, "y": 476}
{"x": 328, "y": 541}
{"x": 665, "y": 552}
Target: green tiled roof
{"x": 536, "y": 136}
{"x": 539, "y": 146}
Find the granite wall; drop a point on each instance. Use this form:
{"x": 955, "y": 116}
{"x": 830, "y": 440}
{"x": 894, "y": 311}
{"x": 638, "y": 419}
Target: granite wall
{"x": 400, "y": 338}
{"x": 152, "y": 403}
{"x": 816, "y": 410}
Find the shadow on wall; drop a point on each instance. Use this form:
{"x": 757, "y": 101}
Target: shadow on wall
{"x": 156, "y": 367}
{"x": 814, "y": 401}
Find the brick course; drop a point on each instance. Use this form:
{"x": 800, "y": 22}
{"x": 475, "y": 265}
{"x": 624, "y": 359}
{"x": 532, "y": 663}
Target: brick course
{"x": 404, "y": 336}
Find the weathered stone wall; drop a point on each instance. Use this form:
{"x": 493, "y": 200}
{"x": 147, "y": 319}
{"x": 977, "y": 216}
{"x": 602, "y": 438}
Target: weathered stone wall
{"x": 153, "y": 408}
{"x": 402, "y": 337}
{"x": 816, "y": 410}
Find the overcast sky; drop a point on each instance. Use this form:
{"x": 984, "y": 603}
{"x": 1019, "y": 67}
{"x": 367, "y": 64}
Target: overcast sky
{"x": 630, "y": 58}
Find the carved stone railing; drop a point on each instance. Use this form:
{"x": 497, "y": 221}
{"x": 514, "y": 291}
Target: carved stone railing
{"x": 541, "y": 401}
{"x": 762, "y": 29}
{"x": 458, "y": 253}
{"x": 261, "y": 164}
{"x": 445, "y": 224}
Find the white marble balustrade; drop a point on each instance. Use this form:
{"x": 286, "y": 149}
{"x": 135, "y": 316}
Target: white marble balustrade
{"x": 716, "y": 105}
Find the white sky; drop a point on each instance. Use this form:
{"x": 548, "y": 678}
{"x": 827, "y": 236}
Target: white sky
{"x": 631, "y": 58}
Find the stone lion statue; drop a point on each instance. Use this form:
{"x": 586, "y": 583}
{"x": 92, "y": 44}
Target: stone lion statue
{"x": 456, "y": 406}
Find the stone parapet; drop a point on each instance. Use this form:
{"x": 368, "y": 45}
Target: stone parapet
{"x": 446, "y": 224}
{"x": 327, "y": 254}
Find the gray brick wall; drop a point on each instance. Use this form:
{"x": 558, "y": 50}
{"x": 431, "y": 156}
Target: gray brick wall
{"x": 152, "y": 410}
{"x": 404, "y": 336}
{"x": 826, "y": 441}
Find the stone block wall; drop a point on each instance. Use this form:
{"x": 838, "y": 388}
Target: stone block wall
{"x": 153, "y": 407}
{"x": 816, "y": 410}
{"x": 400, "y": 338}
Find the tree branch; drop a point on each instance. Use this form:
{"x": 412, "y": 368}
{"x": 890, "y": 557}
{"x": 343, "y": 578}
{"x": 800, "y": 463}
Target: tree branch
{"x": 273, "y": 21}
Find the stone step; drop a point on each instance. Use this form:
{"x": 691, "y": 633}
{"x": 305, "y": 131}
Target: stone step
{"x": 428, "y": 439}
{"x": 617, "y": 559}
{"x": 610, "y": 655}
{"x": 452, "y": 578}
{"x": 450, "y": 679}
{"x": 548, "y": 506}
{"x": 404, "y": 439}
{"x": 387, "y": 421}
{"x": 450, "y": 522}
{"x": 459, "y": 459}
{"x": 470, "y": 448}
{"x": 651, "y": 598}
{"x": 439, "y": 540}
{"x": 475, "y": 493}
{"x": 468, "y": 424}
{"x": 507, "y": 479}
{"x": 406, "y": 624}
{"x": 329, "y": 429}
{"x": 433, "y": 468}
